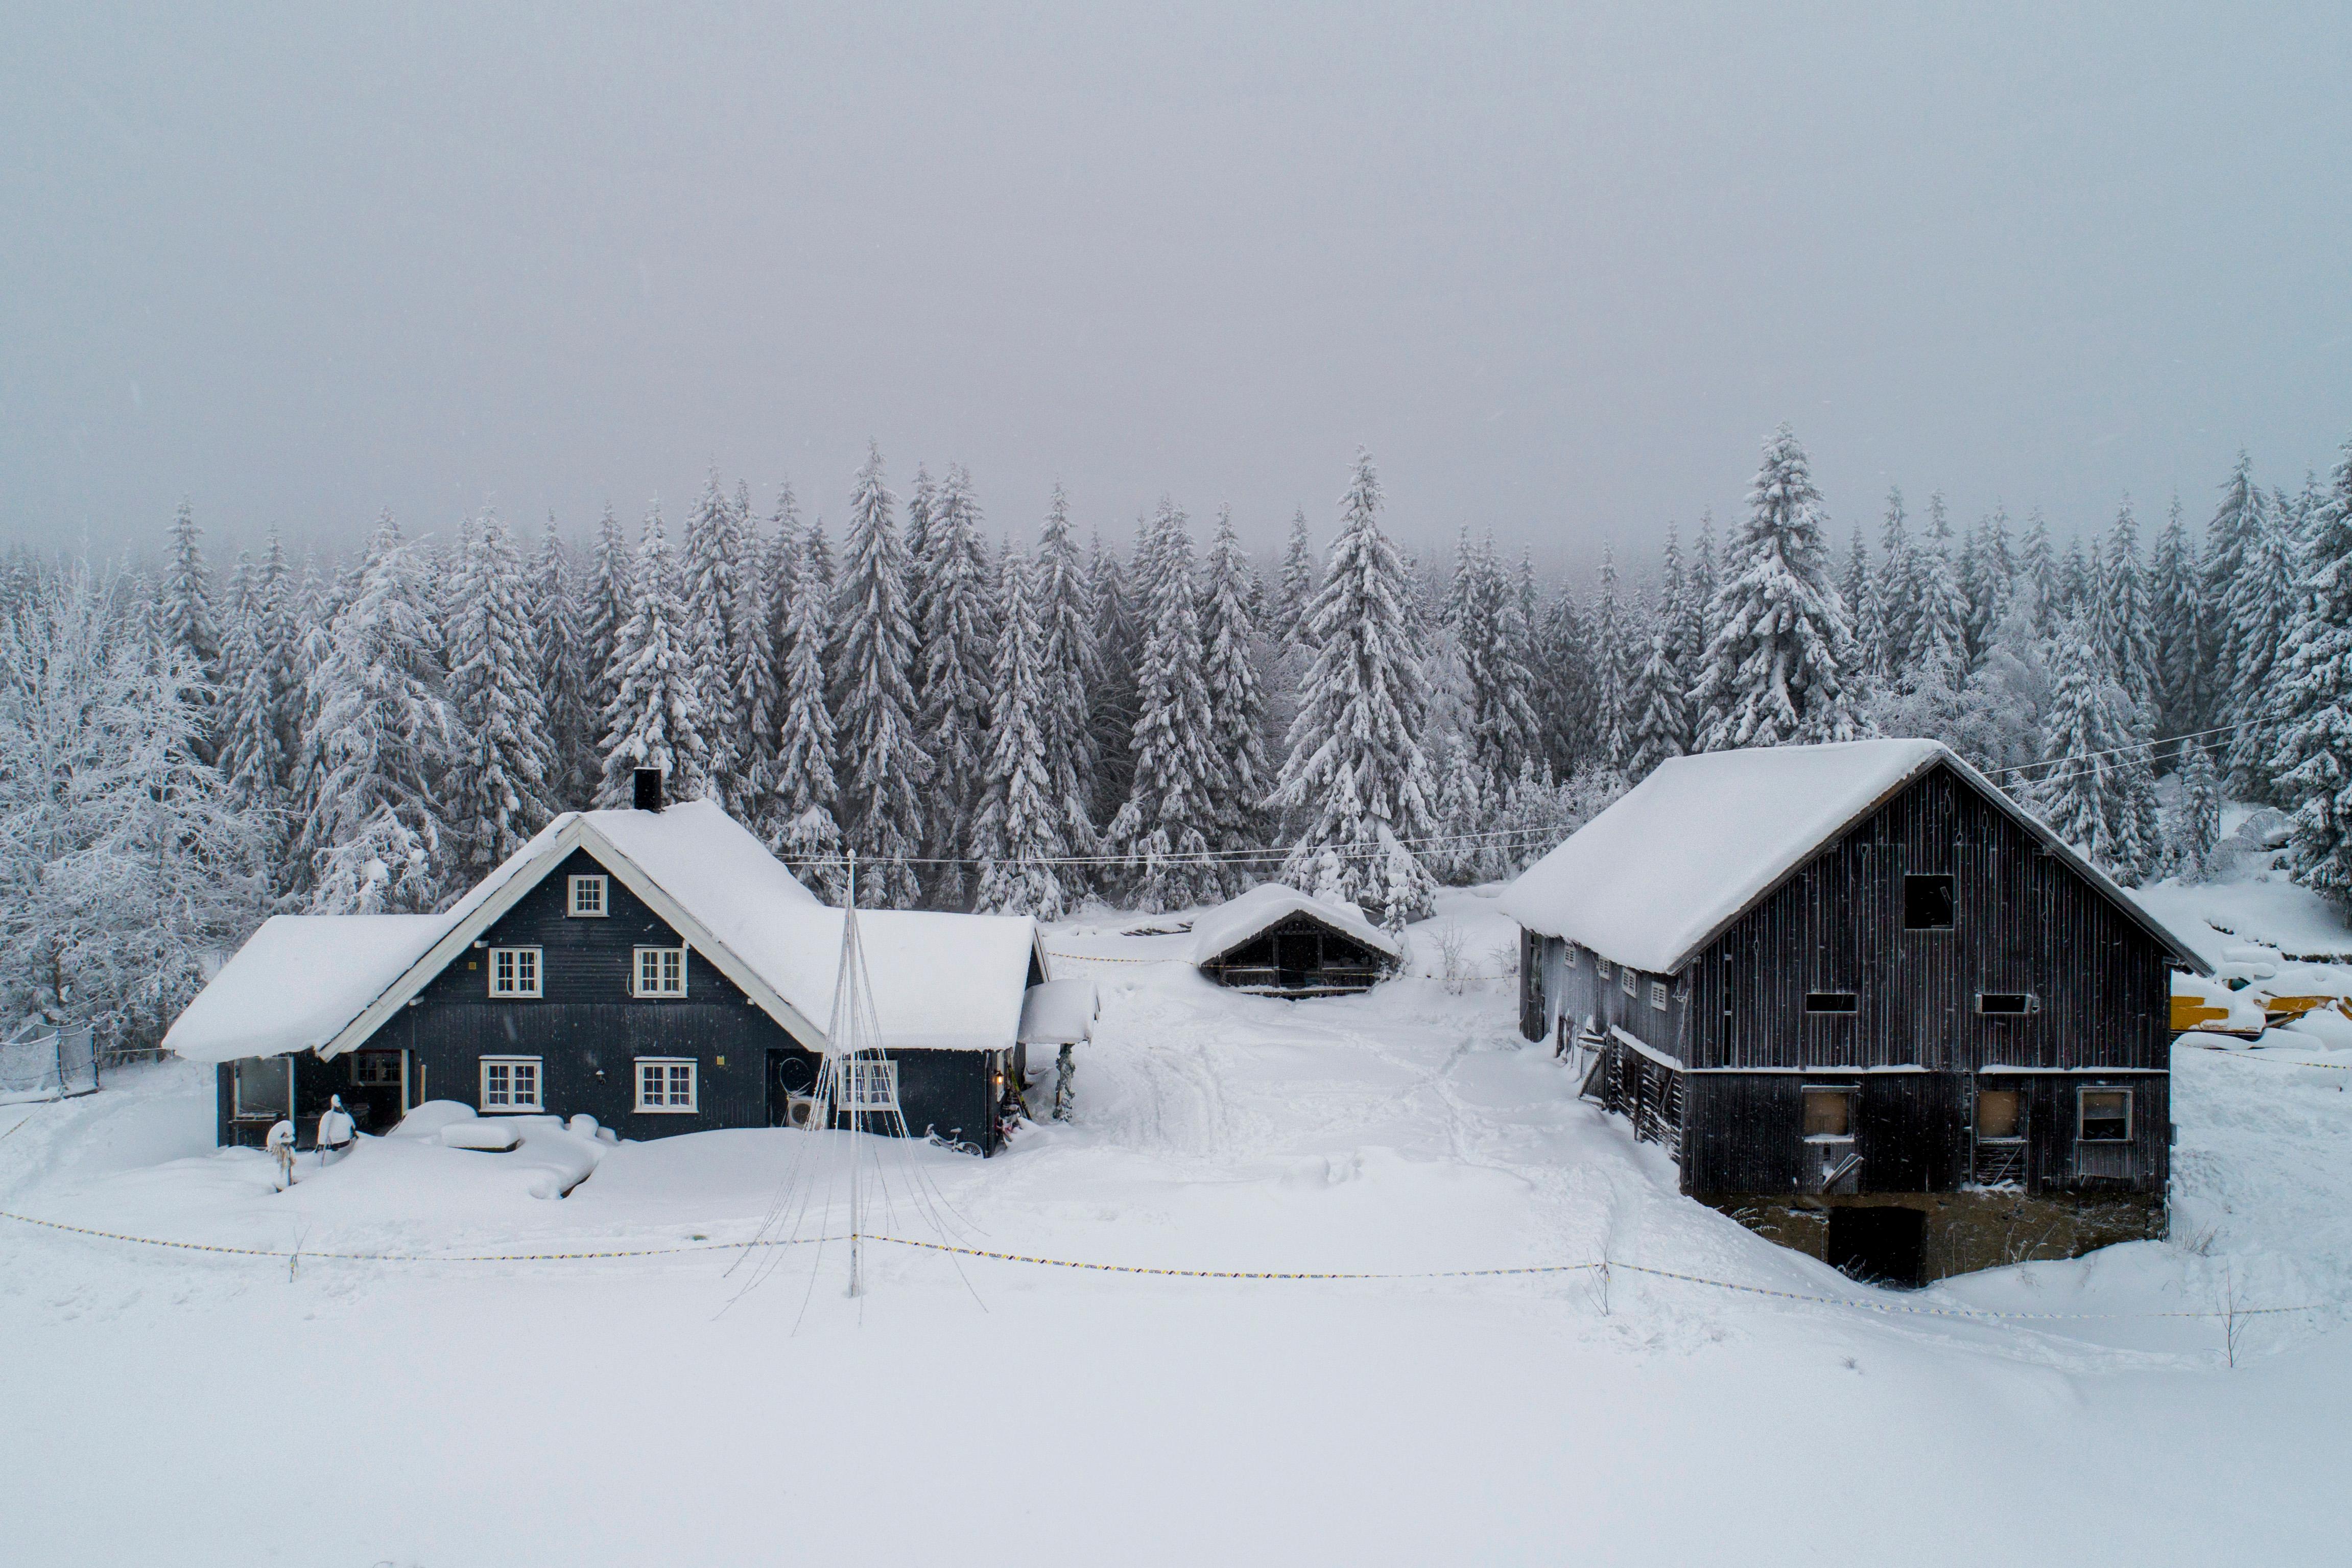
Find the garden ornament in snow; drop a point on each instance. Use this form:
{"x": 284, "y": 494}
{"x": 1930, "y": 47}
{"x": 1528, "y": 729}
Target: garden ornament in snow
{"x": 334, "y": 1129}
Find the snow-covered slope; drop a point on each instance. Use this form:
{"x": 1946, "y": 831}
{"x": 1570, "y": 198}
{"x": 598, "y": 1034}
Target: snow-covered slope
{"x": 691, "y": 1405}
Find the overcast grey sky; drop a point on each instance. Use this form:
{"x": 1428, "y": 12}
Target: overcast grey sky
{"x": 1560, "y": 268}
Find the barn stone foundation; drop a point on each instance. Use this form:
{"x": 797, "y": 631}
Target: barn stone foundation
{"x": 1960, "y": 1232}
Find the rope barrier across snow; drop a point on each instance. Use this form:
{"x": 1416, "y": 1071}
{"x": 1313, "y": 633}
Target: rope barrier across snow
{"x": 1981, "y": 1314}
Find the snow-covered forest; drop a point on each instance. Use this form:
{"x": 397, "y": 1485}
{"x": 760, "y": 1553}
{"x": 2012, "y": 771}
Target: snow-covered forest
{"x": 1024, "y": 723}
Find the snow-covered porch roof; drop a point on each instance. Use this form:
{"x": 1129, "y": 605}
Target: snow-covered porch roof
{"x": 1705, "y": 838}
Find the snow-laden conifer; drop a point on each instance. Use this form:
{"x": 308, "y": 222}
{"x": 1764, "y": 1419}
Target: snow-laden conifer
{"x": 884, "y": 767}
{"x": 1869, "y": 616}
{"x": 655, "y": 719}
{"x": 957, "y": 632}
{"x": 1779, "y": 668}
{"x": 1118, "y": 649}
{"x": 553, "y": 617}
{"x": 2037, "y": 570}
{"x": 2176, "y": 629}
{"x": 1168, "y": 823}
{"x": 1228, "y": 634}
{"x": 376, "y": 838}
{"x": 799, "y": 820}
{"x": 2313, "y": 765}
{"x": 1065, "y": 622}
{"x": 2195, "y": 829}
{"x": 1017, "y": 825}
{"x": 2096, "y": 791}
{"x": 1898, "y": 596}
{"x": 1356, "y": 776}
{"x": 503, "y": 759}
{"x": 2260, "y": 610}
{"x": 606, "y": 600}
{"x": 1295, "y": 589}
{"x": 2123, "y": 618}
{"x": 711, "y": 597}
{"x": 1659, "y": 724}
{"x": 1502, "y": 725}
{"x": 1612, "y": 668}
{"x": 188, "y": 620}
{"x": 2232, "y": 534}
{"x": 1938, "y": 621}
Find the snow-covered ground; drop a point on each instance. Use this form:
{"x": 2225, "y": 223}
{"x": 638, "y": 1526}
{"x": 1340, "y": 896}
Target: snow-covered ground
{"x": 190, "y": 1408}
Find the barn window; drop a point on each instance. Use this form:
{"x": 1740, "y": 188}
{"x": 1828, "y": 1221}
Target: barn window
{"x": 2104, "y": 1116}
{"x": 1829, "y": 1112}
{"x": 1630, "y": 979}
{"x": 1602, "y": 965}
{"x": 2000, "y": 1004}
{"x": 1927, "y": 902}
{"x": 1832, "y": 1002}
{"x": 2001, "y": 1114}
{"x": 510, "y": 1083}
{"x": 660, "y": 971}
{"x": 1658, "y": 994}
{"x": 666, "y": 1085}
{"x": 1572, "y": 950}
{"x": 262, "y": 1088}
{"x": 514, "y": 972}
{"x": 376, "y": 1069}
{"x": 588, "y": 898}
{"x": 868, "y": 1085}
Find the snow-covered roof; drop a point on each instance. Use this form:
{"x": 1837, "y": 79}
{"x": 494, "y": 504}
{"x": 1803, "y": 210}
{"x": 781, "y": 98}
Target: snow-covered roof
{"x": 940, "y": 982}
{"x": 296, "y": 982}
{"x": 1694, "y": 846}
{"x": 1217, "y": 931}
{"x": 1060, "y": 1012}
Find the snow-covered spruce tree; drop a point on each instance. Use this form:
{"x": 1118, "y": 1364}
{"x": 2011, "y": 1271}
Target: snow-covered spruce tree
{"x": 1228, "y": 634}
{"x": 2313, "y": 765}
{"x": 503, "y": 758}
{"x": 123, "y": 861}
{"x": 1119, "y": 646}
{"x": 1986, "y": 565}
{"x": 1356, "y": 777}
{"x": 882, "y": 761}
{"x": 655, "y": 719}
{"x": 2124, "y": 618}
{"x": 779, "y": 572}
{"x": 2259, "y": 611}
{"x": 2176, "y": 629}
{"x": 1567, "y": 686}
{"x": 261, "y": 728}
{"x": 957, "y": 626}
{"x": 1612, "y": 668}
{"x": 711, "y": 596}
{"x": 376, "y": 839}
{"x": 1463, "y": 809}
{"x": 1898, "y": 596}
{"x": 1017, "y": 827}
{"x": 1294, "y": 590}
{"x": 2195, "y": 829}
{"x": 1164, "y": 830}
{"x": 1658, "y": 724}
{"x": 1938, "y": 616}
{"x": 1698, "y": 597}
{"x": 185, "y": 615}
{"x": 1503, "y": 727}
{"x": 798, "y": 821}
{"x": 1778, "y": 667}
{"x": 606, "y": 602}
{"x": 1065, "y": 622}
{"x": 2097, "y": 791}
{"x": 1869, "y": 616}
{"x": 2233, "y": 533}
{"x": 554, "y": 622}
{"x": 752, "y": 667}
{"x": 2074, "y": 580}
{"x": 1998, "y": 725}
{"x": 2037, "y": 569}
{"x": 921, "y": 507}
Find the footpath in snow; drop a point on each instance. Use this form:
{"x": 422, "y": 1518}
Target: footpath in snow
{"x": 705, "y": 1405}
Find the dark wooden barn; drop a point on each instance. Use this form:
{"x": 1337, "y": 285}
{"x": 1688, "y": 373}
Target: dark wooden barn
{"x": 656, "y": 970}
{"x": 1873, "y": 1009}
{"x": 1276, "y": 941}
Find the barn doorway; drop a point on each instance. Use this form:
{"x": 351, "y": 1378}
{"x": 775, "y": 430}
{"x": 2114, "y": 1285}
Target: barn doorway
{"x": 1298, "y": 955}
{"x": 1879, "y": 1245}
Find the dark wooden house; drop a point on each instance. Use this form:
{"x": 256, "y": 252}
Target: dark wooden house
{"x": 1873, "y": 1008}
{"x": 1278, "y": 941}
{"x": 656, "y": 970}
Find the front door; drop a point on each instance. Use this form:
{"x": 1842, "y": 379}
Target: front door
{"x": 376, "y": 1092}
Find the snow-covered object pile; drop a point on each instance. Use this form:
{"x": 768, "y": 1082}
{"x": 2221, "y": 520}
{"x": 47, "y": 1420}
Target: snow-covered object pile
{"x": 552, "y": 1156}
{"x": 298, "y": 980}
{"x": 1218, "y": 930}
{"x": 1060, "y": 1012}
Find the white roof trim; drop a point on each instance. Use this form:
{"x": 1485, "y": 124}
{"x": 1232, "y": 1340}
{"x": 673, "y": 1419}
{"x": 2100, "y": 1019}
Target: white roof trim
{"x": 566, "y": 838}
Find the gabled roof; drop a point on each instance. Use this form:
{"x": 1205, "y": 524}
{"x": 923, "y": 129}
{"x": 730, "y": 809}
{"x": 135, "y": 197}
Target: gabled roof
{"x": 296, "y": 982}
{"x": 1706, "y": 838}
{"x": 1217, "y": 931}
{"x": 940, "y": 982}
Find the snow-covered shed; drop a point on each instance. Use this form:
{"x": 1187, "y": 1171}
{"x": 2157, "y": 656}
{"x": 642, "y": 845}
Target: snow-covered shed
{"x": 1278, "y": 941}
{"x": 658, "y": 969}
{"x": 1854, "y": 988}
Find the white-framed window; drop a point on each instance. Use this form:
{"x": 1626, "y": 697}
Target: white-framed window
{"x": 587, "y": 900}
{"x": 510, "y": 1083}
{"x": 2102, "y": 1115}
{"x": 1658, "y": 994}
{"x": 1573, "y": 951}
{"x": 666, "y": 1085}
{"x": 1602, "y": 964}
{"x": 659, "y": 972}
{"x": 1630, "y": 979}
{"x": 514, "y": 972}
{"x": 869, "y": 1085}
{"x": 262, "y": 1088}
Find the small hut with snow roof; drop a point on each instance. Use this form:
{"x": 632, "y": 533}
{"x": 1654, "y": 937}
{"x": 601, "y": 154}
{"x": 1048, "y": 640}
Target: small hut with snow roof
{"x": 1278, "y": 941}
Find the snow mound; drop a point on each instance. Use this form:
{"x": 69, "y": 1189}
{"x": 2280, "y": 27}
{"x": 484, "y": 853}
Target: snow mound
{"x": 484, "y": 1137}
